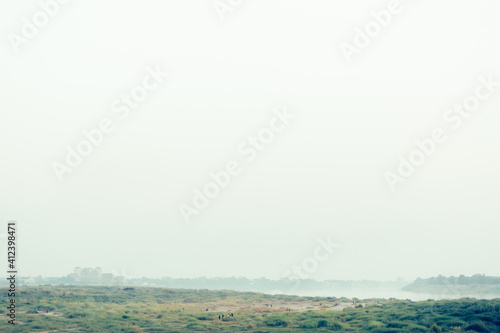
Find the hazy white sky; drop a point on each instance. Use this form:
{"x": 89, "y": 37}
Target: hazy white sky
{"x": 322, "y": 175}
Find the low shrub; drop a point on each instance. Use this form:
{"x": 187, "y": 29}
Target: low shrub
{"x": 308, "y": 324}
{"x": 276, "y": 320}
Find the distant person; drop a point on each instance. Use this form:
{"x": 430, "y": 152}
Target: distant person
{"x": 47, "y": 311}
{"x": 206, "y": 309}
{"x": 219, "y": 317}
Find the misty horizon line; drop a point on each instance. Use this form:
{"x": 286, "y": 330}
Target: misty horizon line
{"x": 396, "y": 279}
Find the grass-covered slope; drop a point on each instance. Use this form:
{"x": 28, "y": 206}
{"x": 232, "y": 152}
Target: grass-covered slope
{"x": 114, "y": 309}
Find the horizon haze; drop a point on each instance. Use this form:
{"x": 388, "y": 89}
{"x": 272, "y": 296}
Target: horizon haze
{"x": 160, "y": 138}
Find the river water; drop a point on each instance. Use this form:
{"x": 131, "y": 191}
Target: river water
{"x": 382, "y": 293}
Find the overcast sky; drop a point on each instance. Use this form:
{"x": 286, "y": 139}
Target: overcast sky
{"x": 230, "y": 71}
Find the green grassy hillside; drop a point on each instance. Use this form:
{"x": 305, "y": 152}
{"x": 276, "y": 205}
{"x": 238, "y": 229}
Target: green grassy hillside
{"x": 114, "y": 309}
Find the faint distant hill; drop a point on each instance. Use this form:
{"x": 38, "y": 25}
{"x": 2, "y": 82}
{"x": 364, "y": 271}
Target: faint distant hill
{"x": 477, "y": 284}
{"x": 96, "y": 277}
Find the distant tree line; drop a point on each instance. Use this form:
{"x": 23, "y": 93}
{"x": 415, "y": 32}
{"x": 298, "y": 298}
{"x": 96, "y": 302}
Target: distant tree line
{"x": 476, "y": 279}
{"x": 228, "y": 283}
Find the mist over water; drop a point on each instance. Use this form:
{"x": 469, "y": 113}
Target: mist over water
{"x": 382, "y": 293}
